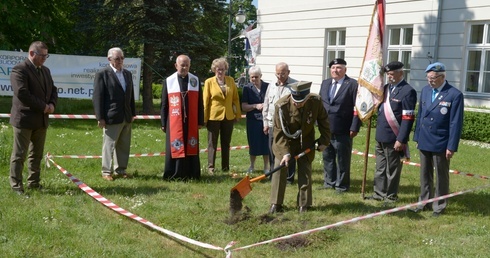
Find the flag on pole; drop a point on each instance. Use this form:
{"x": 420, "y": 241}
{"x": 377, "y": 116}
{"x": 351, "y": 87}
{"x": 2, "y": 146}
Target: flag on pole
{"x": 253, "y": 38}
{"x": 370, "y": 90}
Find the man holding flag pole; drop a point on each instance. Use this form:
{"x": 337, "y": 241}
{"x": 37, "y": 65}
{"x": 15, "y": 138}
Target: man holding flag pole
{"x": 370, "y": 90}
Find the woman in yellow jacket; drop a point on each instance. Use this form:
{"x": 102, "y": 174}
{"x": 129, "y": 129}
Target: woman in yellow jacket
{"x": 221, "y": 111}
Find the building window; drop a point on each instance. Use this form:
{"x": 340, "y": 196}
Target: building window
{"x": 478, "y": 59}
{"x": 334, "y": 47}
{"x": 400, "y": 47}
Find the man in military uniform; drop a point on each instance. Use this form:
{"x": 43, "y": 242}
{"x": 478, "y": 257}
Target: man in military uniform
{"x": 294, "y": 131}
{"x": 396, "y": 116}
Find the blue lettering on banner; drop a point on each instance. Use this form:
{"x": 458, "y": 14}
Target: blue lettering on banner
{"x": 5, "y": 87}
{"x": 5, "y": 71}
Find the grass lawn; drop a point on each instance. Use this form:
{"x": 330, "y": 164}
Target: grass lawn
{"x": 63, "y": 221}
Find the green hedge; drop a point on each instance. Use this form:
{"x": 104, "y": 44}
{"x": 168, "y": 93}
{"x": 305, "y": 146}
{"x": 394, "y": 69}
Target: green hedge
{"x": 156, "y": 89}
{"x": 476, "y": 126}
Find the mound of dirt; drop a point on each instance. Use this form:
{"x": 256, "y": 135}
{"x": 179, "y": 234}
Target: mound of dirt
{"x": 293, "y": 243}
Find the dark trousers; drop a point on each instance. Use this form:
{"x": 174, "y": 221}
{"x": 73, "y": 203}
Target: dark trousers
{"x": 388, "y": 171}
{"x": 27, "y": 144}
{"x": 222, "y": 129}
{"x": 292, "y": 162}
{"x": 429, "y": 161}
{"x": 336, "y": 162}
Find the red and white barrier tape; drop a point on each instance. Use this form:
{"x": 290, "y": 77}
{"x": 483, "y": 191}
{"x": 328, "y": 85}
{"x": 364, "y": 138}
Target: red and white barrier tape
{"x": 228, "y": 251}
{"x": 356, "y": 219}
{"x": 83, "y": 116}
{"x": 456, "y": 172}
{"x": 155, "y": 154}
{"x": 130, "y": 215}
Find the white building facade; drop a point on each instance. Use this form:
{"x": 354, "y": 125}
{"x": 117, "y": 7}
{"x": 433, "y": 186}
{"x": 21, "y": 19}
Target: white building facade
{"x": 308, "y": 34}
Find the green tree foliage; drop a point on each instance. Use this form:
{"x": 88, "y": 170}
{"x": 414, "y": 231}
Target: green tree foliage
{"x": 155, "y": 30}
{"x": 238, "y": 62}
{"x": 25, "y": 21}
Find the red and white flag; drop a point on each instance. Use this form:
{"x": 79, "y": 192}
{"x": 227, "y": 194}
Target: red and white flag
{"x": 370, "y": 90}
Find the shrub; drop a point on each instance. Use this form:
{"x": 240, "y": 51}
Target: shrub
{"x": 476, "y": 126}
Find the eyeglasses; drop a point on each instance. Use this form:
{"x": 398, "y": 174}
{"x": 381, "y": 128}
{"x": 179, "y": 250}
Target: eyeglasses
{"x": 41, "y": 55}
{"x": 433, "y": 78}
{"x": 117, "y": 59}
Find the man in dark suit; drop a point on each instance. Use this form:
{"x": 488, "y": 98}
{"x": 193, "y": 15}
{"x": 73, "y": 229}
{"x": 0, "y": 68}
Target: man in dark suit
{"x": 114, "y": 107}
{"x": 437, "y": 133}
{"x": 35, "y": 97}
{"x": 338, "y": 94}
{"x": 396, "y": 116}
{"x": 295, "y": 116}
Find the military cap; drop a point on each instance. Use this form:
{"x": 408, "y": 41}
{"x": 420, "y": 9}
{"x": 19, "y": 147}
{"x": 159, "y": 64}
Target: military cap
{"x": 436, "y": 67}
{"x": 299, "y": 90}
{"x": 337, "y": 61}
{"x": 393, "y": 66}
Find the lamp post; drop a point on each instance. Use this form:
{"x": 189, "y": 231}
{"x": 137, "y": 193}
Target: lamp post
{"x": 240, "y": 18}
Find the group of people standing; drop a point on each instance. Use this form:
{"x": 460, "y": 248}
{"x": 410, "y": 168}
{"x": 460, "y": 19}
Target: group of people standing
{"x": 282, "y": 118}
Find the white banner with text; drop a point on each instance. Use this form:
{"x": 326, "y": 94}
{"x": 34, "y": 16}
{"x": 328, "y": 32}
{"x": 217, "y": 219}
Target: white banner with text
{"x": 72, "y": 75}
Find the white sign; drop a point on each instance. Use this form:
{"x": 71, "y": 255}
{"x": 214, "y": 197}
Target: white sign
{"x": 72, "y": 75}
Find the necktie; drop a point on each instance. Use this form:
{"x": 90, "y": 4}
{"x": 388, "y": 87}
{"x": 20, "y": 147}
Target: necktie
{"x": 333, "y": 90}
{"x": 434, "y": 94}
{"x": 40, "y": 73}
{"x": 391, "y": 88}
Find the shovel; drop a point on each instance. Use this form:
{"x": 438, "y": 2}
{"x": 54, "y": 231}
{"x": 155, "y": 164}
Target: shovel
{"x": 243, "y": 188}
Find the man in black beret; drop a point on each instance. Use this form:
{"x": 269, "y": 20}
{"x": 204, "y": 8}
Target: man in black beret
{"x": 396, "y": 116}
{"x": 337, "y": 61}
{"x": 338, "y": 95}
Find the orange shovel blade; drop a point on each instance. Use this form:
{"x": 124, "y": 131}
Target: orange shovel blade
{"x": 244, "y": 187}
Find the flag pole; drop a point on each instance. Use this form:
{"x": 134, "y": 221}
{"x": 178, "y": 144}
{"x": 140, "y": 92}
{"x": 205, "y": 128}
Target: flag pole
{"x": 370, "y": 89}
{"x": 366, "y": 151}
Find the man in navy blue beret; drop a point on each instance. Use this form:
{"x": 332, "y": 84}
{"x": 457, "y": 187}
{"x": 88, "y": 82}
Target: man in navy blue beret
{"x": 437, "y": 133}
{"x": 396, "y": 116}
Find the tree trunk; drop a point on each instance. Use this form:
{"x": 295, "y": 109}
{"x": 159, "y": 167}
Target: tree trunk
{"x": 147, "y": 94}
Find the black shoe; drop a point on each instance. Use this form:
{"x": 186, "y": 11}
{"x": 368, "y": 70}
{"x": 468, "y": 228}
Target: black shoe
{"x": 373, "y": 197}
{"x": 417, "y": 209}
{"x": 303, "y": 209}
{"x": 275, "y": 208}
{"x": 436, "y": 214}
{"x": 338, "y": 191}
{"x": 324, "y": 187}
{"x": 35, "y": 187}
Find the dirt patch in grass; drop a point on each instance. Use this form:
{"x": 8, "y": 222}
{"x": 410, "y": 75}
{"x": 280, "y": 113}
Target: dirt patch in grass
{"x": 238, "y": 216}
{"x": 293, "y": 243}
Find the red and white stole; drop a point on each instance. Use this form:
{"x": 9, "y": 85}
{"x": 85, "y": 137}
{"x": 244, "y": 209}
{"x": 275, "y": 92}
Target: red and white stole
{"x": 391, "y": 119}
{"x": 176, "y": 114}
